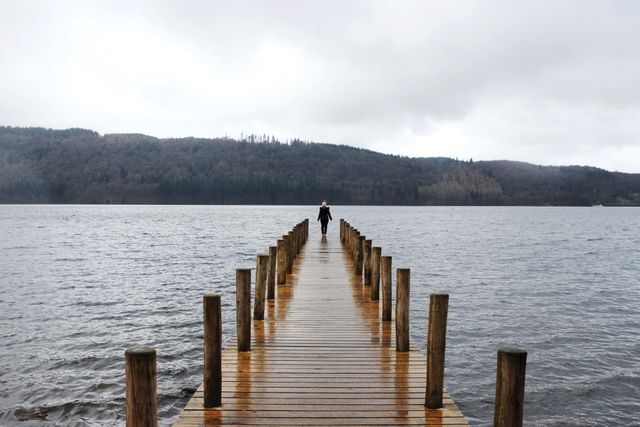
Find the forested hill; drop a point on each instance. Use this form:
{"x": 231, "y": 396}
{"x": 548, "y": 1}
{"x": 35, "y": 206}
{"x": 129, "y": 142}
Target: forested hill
{"x": 80, "y": 166}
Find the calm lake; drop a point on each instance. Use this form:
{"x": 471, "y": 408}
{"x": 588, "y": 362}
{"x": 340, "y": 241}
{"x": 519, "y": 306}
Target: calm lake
{"x": 80, "y": 284}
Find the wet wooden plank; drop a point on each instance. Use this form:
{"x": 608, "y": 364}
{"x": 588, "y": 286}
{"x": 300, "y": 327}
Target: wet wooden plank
{"x": 322, "y": 356}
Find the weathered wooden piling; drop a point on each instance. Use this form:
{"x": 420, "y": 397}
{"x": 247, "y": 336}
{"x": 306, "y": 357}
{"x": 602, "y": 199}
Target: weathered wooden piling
{"x": 262, "y": 269}
{"x": 360, "y": 254}
{"x": 141, "y": 386}
{"x": 212, "y": 372}
{"x": 296, "y": 240}
{"x": 354, "y": 244}
{"x": 385, "y": 276}
{"x": 282, "y": 261}
{"x": 271, "y": 277}
{"x": 510, "y": 376}
{"x": 366, "y": 262}
{"x": 290, "y": 251}
{"x": 402, "y": 309}
{"x": 243, "y": 308}
{"x": 354, "y": 236}
{"x": 300, "y": 239}
{"x": 376, "y": 251}
{"x": 436, "y": 344}
{"x": 354, "y": 248}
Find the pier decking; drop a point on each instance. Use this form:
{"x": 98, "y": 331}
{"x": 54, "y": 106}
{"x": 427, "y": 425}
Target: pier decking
{"x": 322, "y": 356}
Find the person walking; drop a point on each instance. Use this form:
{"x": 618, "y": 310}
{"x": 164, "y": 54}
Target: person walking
{"x": 324, "y": 216}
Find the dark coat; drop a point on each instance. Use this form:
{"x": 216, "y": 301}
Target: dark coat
{"x": 324, "y": 215}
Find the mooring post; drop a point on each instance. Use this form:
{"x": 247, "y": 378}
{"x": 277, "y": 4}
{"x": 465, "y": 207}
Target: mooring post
{"x": 243, "y": 308}
{"x": 385, "y": 276}
{"x": 296, "y": 240}
{"x": 212, "y": 373}
{"x": 360, "y": 255}
{"x": 376, "y": 251}
{"x": 141, "y": 395}
{"x": 354, "y": 249}
{"x": 436, "y": 343}
{"x": 354, "y": 238}
{"x": 282, "y": 261}
{"x": 510, "y": 376}
{"x": 271, "y": 279}
{"x": 290, "y": 252}
{"x": 262, "y": 268}
{"x": 402, "y": 309}
{"x": 366, "y": 262}
{"x": 301, "y": 237}
{"x": 347, "y": 235}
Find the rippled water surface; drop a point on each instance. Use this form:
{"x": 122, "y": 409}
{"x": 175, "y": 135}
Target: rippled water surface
{"x": 80, "y": 284}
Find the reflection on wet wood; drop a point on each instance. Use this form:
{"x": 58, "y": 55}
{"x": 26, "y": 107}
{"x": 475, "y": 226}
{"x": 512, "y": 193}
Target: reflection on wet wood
{"x": 322, "y": 356}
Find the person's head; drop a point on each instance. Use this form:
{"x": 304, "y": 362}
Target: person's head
{"x": 324, "y": 203}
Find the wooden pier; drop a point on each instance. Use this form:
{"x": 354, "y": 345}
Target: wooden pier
{"x": 322, "y": 356}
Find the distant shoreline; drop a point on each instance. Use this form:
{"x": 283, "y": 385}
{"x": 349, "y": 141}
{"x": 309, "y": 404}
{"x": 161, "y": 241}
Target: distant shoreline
{"x": 81, "y": 167}
{"x": 315, "y": 205}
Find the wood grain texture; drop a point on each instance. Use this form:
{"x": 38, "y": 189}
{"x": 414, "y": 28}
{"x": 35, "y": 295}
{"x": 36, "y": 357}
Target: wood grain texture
{"x": 436, "y": 343}
{"x": 243, "y": 308}
{"x": 212, "y": 371}
{"x": 403, "y": 298}
{"x": 322, "y": 356}
{"x": 271, "y": 279}
{"x": 510, "y": 377}
{"x": 141, "y": 387}
{"x": 262, "y": 269}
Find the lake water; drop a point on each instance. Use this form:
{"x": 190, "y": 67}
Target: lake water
{"x": 80, "y": 284}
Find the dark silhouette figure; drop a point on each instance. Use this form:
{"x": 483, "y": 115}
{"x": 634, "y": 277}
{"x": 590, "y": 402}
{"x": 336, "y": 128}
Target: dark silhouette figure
{"x": 324, "y": 216}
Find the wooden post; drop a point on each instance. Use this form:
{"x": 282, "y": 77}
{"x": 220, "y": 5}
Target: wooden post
{"x": 360, "y": 255}
{"x": 141, "y": 395}
{"x": 290, "y": 252}
{"x": 366, "y": 262}
{"x": 510, "y": 375}
{"x": 262, "y": 268}
{"x": 385, "y": 273}
{"x": 436, "y": 343}
{"x": 306, "y": 229}
{"x": 243, "y": 308}
{"x": 376, "y": 251}
{"x": 282, "y": 261}
{"x": 212, "y": 373}
{"x": 296, "y": 240}
{"x": 354, "y": 245}
{"x": 271, "y": 280}
{"x": 300, "y": 236}
{"x": 347, "y": 236}
{"x": 341, "y": 230}
{"x": 402, "y": 309}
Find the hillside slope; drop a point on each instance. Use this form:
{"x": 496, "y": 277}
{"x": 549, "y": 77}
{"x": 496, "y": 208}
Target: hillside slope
{"x": 79, "y": 166}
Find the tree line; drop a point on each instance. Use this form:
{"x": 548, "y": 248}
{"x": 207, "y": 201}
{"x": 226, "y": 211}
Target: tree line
{"x": 40, "y": 165}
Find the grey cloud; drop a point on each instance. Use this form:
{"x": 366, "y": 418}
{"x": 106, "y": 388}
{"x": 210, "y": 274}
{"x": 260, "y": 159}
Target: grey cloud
{"x": 388, "y": 74}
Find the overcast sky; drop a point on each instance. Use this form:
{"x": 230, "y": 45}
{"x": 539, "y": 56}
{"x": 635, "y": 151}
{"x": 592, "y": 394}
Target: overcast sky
{"x": 548, "y": 82}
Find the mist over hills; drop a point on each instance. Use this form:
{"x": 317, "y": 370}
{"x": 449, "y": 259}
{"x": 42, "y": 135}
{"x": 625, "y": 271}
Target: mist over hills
{"x": 40, "y": 165}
